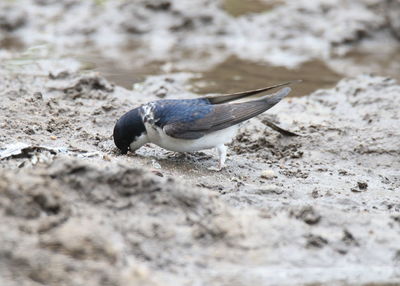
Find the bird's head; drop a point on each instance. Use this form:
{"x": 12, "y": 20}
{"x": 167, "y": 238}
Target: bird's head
{"x": 130, "y": 132}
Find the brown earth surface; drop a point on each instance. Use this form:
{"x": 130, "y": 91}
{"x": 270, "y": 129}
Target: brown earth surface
{"x": 321, "y": 208}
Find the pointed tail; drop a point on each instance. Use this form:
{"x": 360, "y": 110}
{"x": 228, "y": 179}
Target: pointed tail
{"x": 235, "y": 96}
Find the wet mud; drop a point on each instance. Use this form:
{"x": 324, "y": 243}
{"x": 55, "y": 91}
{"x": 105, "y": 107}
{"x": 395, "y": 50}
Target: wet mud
{"x": 74, "y": 210}
{"x": 320, "y": 208}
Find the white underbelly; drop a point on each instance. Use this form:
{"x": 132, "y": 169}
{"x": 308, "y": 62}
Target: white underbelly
{"x": 158, "y": 137}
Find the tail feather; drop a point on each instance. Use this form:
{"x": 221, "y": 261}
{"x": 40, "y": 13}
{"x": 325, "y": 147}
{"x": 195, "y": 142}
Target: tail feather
{"x": 231, "y": 114}
{"x": 235, "y": 96}
{"x": 273, "y": 99}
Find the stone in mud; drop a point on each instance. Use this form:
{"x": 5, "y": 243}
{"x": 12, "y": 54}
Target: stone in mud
{"x": 267, "y": 174}
{"x": 361, "y": 187}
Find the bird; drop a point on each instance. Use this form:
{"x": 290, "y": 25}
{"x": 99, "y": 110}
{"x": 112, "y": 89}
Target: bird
{"x": 188, "y": 125}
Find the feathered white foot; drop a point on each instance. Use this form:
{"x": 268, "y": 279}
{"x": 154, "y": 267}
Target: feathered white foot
{"x": 221, "y": 149}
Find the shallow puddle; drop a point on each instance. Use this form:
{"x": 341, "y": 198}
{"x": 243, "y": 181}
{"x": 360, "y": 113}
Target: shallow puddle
{"x": 238, "y": 8}
{"x": 235, "y": 75}
{"x": 119, "y": 73}
{"x": 232, "y": 75}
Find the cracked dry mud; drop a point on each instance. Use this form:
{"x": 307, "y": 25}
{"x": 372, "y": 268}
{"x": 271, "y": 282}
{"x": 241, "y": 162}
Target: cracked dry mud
{"x": 317, "y": 208}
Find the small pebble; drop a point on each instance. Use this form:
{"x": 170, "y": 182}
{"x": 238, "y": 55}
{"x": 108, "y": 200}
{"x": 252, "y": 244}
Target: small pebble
{"x": 315, "y": 194}
{"x": 267, "y": 174}
{"x": 106, "y": 157}
{"x": 362, "y": 185}
{"x": 53, "y": 137}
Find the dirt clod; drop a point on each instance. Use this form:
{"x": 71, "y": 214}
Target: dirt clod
{"x": 308, "y": 215}
{"x": 315, "y": 241}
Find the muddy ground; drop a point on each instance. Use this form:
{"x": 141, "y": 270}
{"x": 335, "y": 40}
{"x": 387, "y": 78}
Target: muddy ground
{"x": 315, "y": 209}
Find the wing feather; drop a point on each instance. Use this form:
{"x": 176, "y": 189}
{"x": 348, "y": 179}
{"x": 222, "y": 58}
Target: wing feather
{"x": 223, "y": 116}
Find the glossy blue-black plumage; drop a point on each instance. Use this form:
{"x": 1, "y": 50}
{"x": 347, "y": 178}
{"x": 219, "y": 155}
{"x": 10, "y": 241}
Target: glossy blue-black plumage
{"x": 127, "y": 128}
{"x": 183, "y": 111}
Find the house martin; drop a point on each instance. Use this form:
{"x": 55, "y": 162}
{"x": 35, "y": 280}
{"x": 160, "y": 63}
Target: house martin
{"x": 187, "y": 125}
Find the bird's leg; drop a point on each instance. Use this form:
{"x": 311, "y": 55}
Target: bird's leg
{"x": 221, "y": 149}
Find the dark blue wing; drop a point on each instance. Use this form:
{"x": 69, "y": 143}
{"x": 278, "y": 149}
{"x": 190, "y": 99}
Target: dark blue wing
{"x": 193, "y": 121}
{"x": 182, "y": 111}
